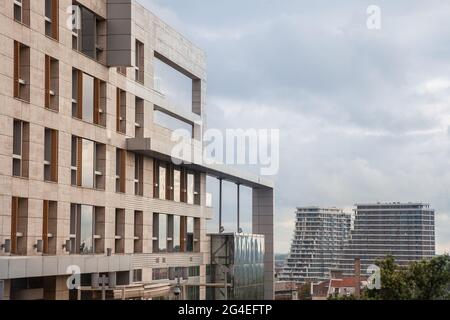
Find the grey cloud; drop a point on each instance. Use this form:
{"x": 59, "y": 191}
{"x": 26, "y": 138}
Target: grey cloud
{"x": 360, "y": 117}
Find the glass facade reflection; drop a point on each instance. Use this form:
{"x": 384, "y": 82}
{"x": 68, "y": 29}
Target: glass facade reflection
{"x": 162, "y": 183}
{"x": 190, "y": 235}
{"x": 176, "y": 234}
{"x": 162, "y": 234}
{"x": 88, "y": 98}
{"x": 243, "y": 254}
{"x": 176, "y": 185}
{"x": 86, "y": 230}
{"x": 190, "y": 188}
{"x": 88, "y": 164}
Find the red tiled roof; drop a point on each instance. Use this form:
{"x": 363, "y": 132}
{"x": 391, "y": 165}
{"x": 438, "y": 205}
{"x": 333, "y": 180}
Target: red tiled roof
{"x": 344, "y": 283}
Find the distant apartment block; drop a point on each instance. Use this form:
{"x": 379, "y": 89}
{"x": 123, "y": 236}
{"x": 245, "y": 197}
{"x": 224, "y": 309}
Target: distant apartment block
{"x": 90, "y": 96}
{"x": 318, "y": 240}
{"x": 404, "y": 230}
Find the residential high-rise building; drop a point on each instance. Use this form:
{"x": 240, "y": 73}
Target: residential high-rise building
{"x": 91, "y": 93}
{"x": 318, "y": 240}
{"x": 404, "y": 230}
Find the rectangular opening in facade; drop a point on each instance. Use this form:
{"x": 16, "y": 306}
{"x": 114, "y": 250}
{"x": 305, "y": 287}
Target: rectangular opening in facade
{"x": 120, "y": 170}
{"x": 51, "y": 155}
{"x": 175, "y": 184}
{"x": 88, "y": 163}
{"x": 121, "y": 111}
{"x": 87, "y": 229}
{"x": 19, "y": 226}
{"x": 21, "y": 148}
{"x": 51, "y": 18}
{"x": 138, "y": 231}
{"x": 88, "y": 98}
{"x": 181, "y": 89}
{"x": 22, "y": 11}
{"x": 21, "y": 71}
{"x": 51, "y": 83}
{"x": 138, "y": 175}
{"x": 119, "y": 238}
{"x": 139, "y": 62}
{"x": 139, "y": 118}
{"x": 89, "y": 34}
{"x": 49, "y": 227}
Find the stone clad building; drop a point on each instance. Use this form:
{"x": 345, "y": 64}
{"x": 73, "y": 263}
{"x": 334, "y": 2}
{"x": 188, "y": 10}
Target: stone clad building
{"x": 91, "y": 92}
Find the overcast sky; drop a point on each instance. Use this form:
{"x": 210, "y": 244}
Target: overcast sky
{"x": 364, "y": 114}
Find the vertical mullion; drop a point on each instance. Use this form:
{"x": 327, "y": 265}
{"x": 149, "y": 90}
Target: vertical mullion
{"x": 47, "y": 81}
{"x": 16, "y": 68}
{"x": 155, "y": 179}
{"x": 45, "y": 226}
{"x": 96, "y": 101}
{"x": 55, "y": 19}
{"x": 54, "y": 156}
{"x": 14, "y": 214}
{"x": 79, "y": 160}
{"x": 80, "y": 95}
{"x": 122, "y": 170}
{"x": 118, "y": 98}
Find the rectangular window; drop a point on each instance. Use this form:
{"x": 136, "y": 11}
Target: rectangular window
{"x": 162, "y": 182}
{"x": 178, "y": 272}
{"x": 88, "y": 98}
{"x": 120, "y": 170}
{"x": 22, "y": 11}
{"x": 51, "y": 18}
{"x": 137, "y": 275}
{"x": 51, "y": 83}
{"x": 190, "y": 188}
{"x": 155, "y": 179}
{"x": 190, "y": 235}
{"x": 89, "y": 34}
{"x": 121, "y": 111}
{"x": 176, "y": 185}
{"x": 139, "y": 64}
{"x": 176, "y": 234}
{"x": 21, "y": 71}
{"x": 159, "y": 232}
{"x": 138, "y": 231}
{"x": 100, "y": 102}
{"x": 21, "y": 147}
{"x": 49, "y": 227}
{"x": 183, "y": 185}
{"x": 197, "y": 188}
{"x": 19, "y": 225}
{"x": 165, "y": 120}
{"x": 160, "y": 274}
{"x": 85, "y": 228}
{"x": 175, "y": 83}
{"x": 194, "y": 271}
{"x": 169, "y": 181}
{"x": 119, "y": 243}
{"x": 139, "y": 118}
{"x": 51, "y": 155}
{"x": 88, "y": 163}
{"x": 138, "y": 175}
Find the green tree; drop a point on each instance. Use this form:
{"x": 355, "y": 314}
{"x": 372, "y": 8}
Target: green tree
{"x": 423, "y": 280}
{"x": 430, "y": 279}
